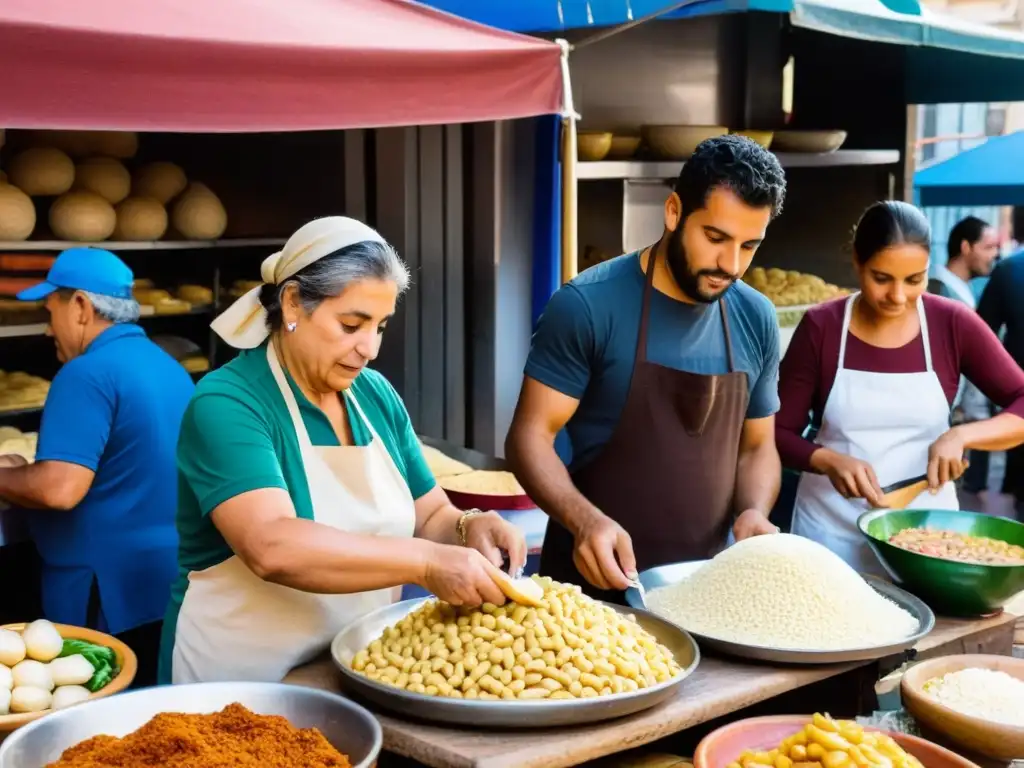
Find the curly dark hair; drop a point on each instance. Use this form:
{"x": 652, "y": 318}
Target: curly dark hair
{"x": 741, "y": 165}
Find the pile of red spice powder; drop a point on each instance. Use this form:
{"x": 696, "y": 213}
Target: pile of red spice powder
{"x": 231, "y": 738}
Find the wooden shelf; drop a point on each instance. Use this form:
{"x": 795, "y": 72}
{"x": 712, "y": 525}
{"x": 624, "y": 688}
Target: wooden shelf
{"x": 158, "y": 245}
{"x": 29, "y": 329}
{"x": 660, "y": 170}
{"x": 15, "y": 412}
{"x": 38, "y": 329}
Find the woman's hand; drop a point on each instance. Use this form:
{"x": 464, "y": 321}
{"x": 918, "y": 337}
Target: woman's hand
{"x": 853, "y": 478}
{"x": 490, "y": 534}
{"x": 946, "y": 460}
{"x": 11, "y": 460}
{"x": 461, "y": 576}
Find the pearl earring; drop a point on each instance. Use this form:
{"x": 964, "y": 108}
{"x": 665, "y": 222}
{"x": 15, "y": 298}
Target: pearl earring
{"x": 291, "y": 327}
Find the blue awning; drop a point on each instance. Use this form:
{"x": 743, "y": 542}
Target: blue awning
{"x": 989, "y": 174}
{"x": 903, "y": 22}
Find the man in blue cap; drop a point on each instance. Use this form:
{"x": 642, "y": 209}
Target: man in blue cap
{"x": 103, "y": 489}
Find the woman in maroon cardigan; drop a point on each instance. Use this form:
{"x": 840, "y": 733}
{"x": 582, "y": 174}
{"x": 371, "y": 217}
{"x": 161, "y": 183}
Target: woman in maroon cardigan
{"x": 879, "y": 371}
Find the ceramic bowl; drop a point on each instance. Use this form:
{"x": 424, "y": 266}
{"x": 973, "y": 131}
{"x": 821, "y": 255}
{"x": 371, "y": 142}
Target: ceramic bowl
{"x": 126, "y": 662}
{"x": 950, "y": 587}
{"x": 1001, "y": 742}
{"x": 593, "y": 146}
{"x": 678, "y": 142}
{"x": 723, "y": 746}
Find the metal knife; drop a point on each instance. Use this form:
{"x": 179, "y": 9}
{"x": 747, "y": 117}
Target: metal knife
{"x": 904, "y": 484}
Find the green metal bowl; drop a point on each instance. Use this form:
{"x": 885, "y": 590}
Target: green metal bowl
{"x": 950, "y": 587}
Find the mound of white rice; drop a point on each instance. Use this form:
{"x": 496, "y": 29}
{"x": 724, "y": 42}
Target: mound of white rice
{"x": 783, "y": 591}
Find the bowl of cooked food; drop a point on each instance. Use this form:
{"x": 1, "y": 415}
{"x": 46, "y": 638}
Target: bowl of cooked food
{"x": 974, "y": 700}
{"x": 818, "y": 740}
{"x": 176, "y": 726}
{"x": 46, "y": 667}
{"x": 961, "y": 563}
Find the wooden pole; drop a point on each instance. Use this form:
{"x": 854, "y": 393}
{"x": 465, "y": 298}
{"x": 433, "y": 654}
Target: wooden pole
{"x": 570, "y": 211}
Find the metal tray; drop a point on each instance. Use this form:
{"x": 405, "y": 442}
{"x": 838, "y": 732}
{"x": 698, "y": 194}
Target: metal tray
{"x": 505, "y": 714}
{"x": 672, "y": 574}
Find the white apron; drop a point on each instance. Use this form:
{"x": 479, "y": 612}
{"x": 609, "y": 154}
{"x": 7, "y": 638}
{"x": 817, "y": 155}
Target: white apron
{"x": 886, "y": 419}
{"x": 233, "y": 626}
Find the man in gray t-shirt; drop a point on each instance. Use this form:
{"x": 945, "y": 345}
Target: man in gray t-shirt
{"x": 662, "y": 366}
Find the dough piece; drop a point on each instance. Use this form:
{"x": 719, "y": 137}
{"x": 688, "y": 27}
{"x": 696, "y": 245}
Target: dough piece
{"x": 17, "y": 214}
{"x": 195, "y": 294}
{"x": 81, "y": 216}
{"x": 140, "y": 219}
{"x": 105, "y": 176}
{"x": 42, "y": 171}
{"x": 199, "y": 214}
{"x": 161, "y": 181}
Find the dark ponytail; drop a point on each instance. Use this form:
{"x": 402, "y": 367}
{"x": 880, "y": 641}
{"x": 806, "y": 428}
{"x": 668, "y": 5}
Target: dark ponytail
{"x": 888, "y": 223}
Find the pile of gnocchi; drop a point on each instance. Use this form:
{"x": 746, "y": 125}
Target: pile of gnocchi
{"x": 828, "y": 743}
{"x": 569, "y": 648}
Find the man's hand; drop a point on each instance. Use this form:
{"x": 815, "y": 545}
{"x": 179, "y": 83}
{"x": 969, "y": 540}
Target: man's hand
{"x": 752, "y": 522}
{"x": 604, "y": 553}
{"x": 10, "y": 460}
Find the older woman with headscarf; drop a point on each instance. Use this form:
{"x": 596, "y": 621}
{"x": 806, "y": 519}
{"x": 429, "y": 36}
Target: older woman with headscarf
{"x": 304, "y": 499}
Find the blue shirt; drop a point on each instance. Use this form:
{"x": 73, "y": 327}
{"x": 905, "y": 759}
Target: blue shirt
{"x": 116, "y": 410}
{"x": 1001, "y": 304}
{"x": 585, "y": 345}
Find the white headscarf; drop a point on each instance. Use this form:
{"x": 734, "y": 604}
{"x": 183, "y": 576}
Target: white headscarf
{"x": 243, "y": 325}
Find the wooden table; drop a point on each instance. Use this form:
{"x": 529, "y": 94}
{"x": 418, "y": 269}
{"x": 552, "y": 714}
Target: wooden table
{"x": 718, "y": 688}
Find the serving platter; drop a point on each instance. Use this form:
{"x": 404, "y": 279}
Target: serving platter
{"x": 666, "y": 575}
{"x": 505, "y": 714}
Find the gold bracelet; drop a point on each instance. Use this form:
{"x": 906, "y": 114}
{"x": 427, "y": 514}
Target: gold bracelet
{"x": 465, "y": 517}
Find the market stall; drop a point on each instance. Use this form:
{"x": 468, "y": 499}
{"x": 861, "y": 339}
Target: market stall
{"x": 984, "y": 175}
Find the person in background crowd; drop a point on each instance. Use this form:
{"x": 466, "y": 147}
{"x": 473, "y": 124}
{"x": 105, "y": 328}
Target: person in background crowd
{"x": 1002, "y": 307}
{"x": 879, "y": 370}
{"x": 102, "y": 492}
{"x": 662, "y": 366}
{"x": 972, "y": 249}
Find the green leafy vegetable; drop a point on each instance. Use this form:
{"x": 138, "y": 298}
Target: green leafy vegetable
{"x": 103, "y": 660}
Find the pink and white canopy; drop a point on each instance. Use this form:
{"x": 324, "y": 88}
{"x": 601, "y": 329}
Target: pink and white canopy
{"x": 263, "y": 65}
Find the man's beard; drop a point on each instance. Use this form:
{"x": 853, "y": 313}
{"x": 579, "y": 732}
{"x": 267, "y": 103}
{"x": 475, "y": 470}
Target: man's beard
{"x": 688, "y": 280}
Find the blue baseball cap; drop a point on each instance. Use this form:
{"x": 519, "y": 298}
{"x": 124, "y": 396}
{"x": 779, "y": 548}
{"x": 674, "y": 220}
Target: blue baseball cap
{"x": 84, "y": 269}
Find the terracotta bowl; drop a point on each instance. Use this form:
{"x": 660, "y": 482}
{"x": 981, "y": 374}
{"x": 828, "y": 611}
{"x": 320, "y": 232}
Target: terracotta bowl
{"x": 764, "y": 138}
{"x": 814, "y": 142}
{"x": 593, "y": 146}
{"x": 1002, "y": 742}
{"x": 723, "y": 746}
{"x": 678, "y": 142}
{"x": 623, "y": 147}
{"x": 126, "y": 661}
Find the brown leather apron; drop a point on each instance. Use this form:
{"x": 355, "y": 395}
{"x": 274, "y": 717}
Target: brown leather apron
{"x": 668, "y": 473}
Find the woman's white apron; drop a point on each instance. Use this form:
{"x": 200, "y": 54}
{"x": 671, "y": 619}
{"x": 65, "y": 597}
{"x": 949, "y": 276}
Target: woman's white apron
{"x": 233, "y": 626}
{"x": 888, "y": 420}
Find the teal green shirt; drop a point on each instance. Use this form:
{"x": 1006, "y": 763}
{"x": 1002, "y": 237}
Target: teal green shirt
{"x": 237, "y": 436}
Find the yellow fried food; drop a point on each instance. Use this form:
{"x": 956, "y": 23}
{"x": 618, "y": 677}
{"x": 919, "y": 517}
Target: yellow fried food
{"x": 829, "y": 743}
{"x": 570, "y": 647}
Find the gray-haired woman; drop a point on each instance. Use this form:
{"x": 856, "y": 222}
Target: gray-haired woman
{"x": 304, "y": 500}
